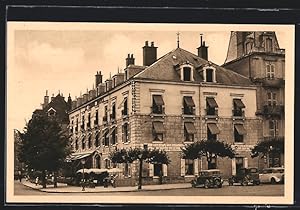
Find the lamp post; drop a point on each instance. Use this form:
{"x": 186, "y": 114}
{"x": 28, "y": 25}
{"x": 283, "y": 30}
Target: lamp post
{"x": 140, "y": 171}
{"x": 83, "y": 181}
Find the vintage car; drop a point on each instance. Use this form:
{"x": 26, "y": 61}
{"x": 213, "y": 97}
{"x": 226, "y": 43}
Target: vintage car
{"x": 245, "y": 176}
{"x": 208, "y": 179}
{"x": 272, "y": 175}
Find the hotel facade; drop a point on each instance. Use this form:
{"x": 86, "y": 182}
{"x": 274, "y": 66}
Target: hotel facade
{"x": 166, "y": 103}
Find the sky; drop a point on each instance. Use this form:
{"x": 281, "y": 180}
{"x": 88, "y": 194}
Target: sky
{"x": 63, "y": 58}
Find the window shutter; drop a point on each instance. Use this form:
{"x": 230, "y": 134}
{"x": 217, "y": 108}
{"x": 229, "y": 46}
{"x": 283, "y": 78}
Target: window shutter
{"x": 182, "y": 167}
{"x": 196, "y": 169}
{"x": 233, "y": 166}
{"x": 246, "y": 162}
{"x": 165, "y": 169}
{"x": 151, "y": 170}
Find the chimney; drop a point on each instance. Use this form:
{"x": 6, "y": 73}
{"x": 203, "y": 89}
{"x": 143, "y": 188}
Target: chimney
{"x": 92, "y": 94}
{"x": 202, "y": 50}
{"x": 149, "y": 54}
{"x": 98, "y": 77}
{"x": 46, "y": 99}
{"x": 79, "y": 101}
{"x": 130, "y": 60}
{"x": 74, "y": 104}
{"x": 52, "y": 97}
{"x": 100, "y": 89}
{"x": 69, "y": 102}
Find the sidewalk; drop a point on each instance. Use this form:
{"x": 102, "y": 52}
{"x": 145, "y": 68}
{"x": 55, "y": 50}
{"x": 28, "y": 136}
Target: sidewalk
{"x": 63, "y": 188}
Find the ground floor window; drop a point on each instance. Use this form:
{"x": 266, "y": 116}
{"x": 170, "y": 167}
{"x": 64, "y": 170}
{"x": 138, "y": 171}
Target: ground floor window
{"x": 213, "y": 163}
{"x": 107, "y": 163}
{"x": 239, "y": 162}
{"x": 127, "y": 170}
{"x": 97, "y": 161}
{"x": 158, "y": 170}
{"x": 189, "y": 167}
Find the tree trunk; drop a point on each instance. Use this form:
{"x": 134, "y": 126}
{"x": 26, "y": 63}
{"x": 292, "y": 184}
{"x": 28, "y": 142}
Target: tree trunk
{"x": 140, "y": 174}
{"x": 55, "y": 179}
{"x": 44, "y": 183}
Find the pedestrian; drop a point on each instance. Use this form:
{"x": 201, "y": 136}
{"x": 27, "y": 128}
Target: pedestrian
{"x": 36, "y": 181}
{"x": 113, "y": 180}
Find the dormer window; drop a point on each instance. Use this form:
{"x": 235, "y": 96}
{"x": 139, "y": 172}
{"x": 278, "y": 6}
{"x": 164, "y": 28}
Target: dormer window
{"x": 269, "y": 45}
{"x": 209, "y": 74}
{"x": 186, "y": 72}
{"x": 51, "y": 112}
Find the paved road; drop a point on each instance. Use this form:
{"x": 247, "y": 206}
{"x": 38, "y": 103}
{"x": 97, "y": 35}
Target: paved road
{"x": 261, "y": 190}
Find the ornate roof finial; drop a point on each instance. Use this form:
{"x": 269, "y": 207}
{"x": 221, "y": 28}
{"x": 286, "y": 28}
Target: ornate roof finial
{"x": 178, "y": 34}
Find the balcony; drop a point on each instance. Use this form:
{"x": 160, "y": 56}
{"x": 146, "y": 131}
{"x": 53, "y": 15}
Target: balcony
{"x": 211, "y": 114}
{"x": 238, "y": 114}
{"x": 273, "y": 110}
{"x": 271, "y": 82}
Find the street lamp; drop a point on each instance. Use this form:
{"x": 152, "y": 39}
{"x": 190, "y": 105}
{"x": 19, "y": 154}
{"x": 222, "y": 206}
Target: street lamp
{"x": 83, "y": 181}
{"x": 140, "y": 171}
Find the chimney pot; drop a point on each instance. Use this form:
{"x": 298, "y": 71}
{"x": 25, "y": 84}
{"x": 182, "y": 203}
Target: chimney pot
{"x": 146, "y": 43}
{"x": 152, "y": 44}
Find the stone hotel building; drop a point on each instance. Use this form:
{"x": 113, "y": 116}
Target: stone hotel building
{"x": 166, "y": 103}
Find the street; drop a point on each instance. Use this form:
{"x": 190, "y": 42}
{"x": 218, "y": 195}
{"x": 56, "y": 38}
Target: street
{"x": 261, "y": 190}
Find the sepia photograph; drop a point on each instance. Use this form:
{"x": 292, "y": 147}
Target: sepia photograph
{"x": 150, "y": 113}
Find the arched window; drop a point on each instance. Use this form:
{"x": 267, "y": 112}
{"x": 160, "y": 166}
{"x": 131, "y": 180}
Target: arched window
{"x": 97, "y": 161}
{"x": 209, "y": 74}
{"x": 97, "y": 140}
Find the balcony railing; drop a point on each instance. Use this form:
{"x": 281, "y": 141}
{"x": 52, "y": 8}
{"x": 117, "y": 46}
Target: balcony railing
{"x": 273, "y": 110}
{"x": 271, "y": 82}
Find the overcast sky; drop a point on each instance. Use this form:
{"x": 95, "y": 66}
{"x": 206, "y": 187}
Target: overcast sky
{"x": 66, "y": 59}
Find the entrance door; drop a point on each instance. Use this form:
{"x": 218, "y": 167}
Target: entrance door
{"x": 239, "y": 163}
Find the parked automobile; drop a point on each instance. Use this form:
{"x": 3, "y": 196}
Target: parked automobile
{"x": 272, "y": 175}
{"x": 245, "y": 176}
{"x": 208, "y": 179}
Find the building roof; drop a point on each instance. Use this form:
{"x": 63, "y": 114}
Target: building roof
{"x": 165, "y": 69}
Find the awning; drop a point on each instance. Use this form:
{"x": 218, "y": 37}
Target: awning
{"x": 78, "y": 156}
{"x": 189, "y": 101}
{"x": 96, "y": 170}
{"x": 158, "y": 100}
{"x": 122, "y": 103}
{"x": 212, "y": 102}
{"x": 158, "y": 127}
{"x": 239, "y": 103}
{"x": 240, "y": 129}
{"x": 190, "y": 128}
{"x": 213, "y": 128}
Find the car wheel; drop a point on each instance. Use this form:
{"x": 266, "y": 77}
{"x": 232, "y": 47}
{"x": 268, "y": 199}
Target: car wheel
{"x": 218, "y": 183}
{"x": 244, "y": 182}
{"x": 230, "y": 182}
{"x": 206, "y": 184}
{"x": 257, "y": 183}
{"x": 273, "y": 181}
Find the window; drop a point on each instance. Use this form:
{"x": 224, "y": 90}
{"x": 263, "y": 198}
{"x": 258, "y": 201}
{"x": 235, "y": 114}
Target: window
{"x": 82, "y": 143}
{"x": 97, "y": 161}
{"x": 158, "y": 170}
{"x": 189, "y": 131}
{"x": 239, "y": 163}
{"x": 157, "y": 104}
{"x": 113, "y": 136}
{"x": 125, "y": 133}
{"x": 213, "y": 163}
{"x": 187, "y": 74}
{"x": 239, "y": 132}
{"x": 89, "y": 142}
{"x": 158, "y": 131}
{"x": 273, "y": 128}
{"x": 96, "y": 118}
{"x": 270, "y": 70}
{"x": 188, "y": 105}
{"x": 76, "y": 144}
{"x": 211, "y": 106}
{"x": 212, "y": 131}
{"x": 209, "y": 75}
{"x": 125, "y": 107}
{"x": 77, "y": 127}
{"x": 238, "y": 107}
{"x": 105, "y": 114}
{"x": 269, "y": 45}
{"x": 189, "y": 167}
{"x": 97, "y": 143}
{"x": 248, "y": 47}
{"x": 113, "y": 112}
{"x": 89, "y": 120}
{"x": 106, "y": 138}
{"x": 272, "y": 99}
{"x": 107, "y": 163}
{"x": 127, "y": 169}
{"x": 82, "y": 123}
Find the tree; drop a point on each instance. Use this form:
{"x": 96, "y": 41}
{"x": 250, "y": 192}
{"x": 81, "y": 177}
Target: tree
{"x": 153, "y": 156}
{"x": 267, "y": 147}
{"x": 208, "y": 149}
{"x": 44, "y": 145}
